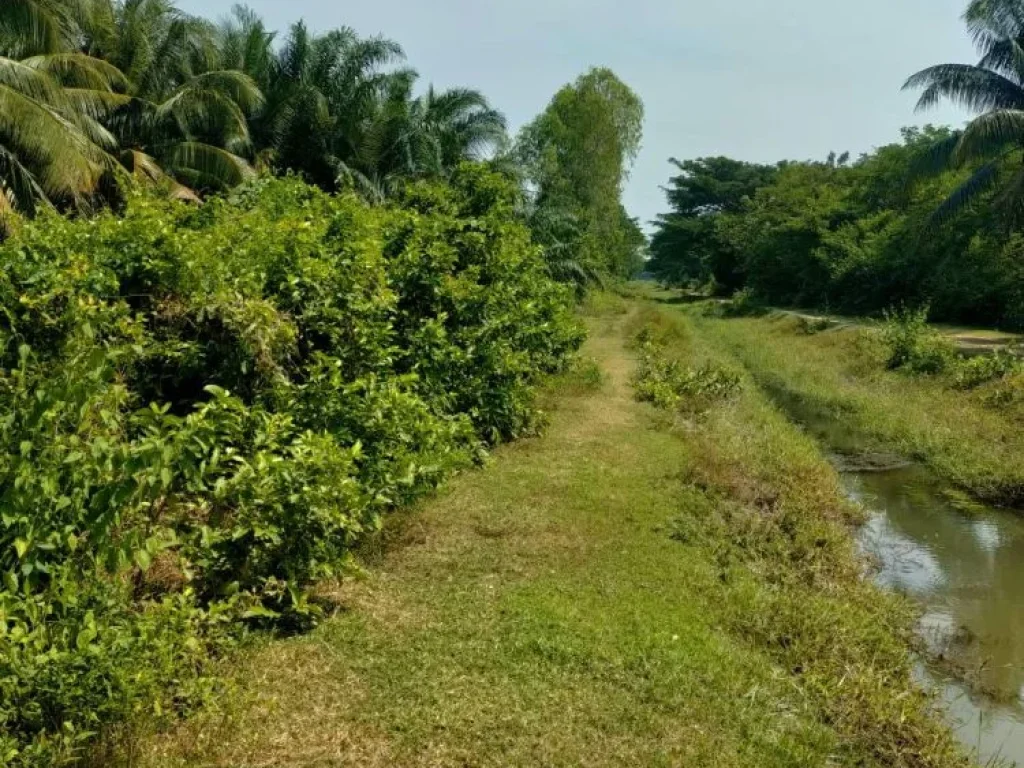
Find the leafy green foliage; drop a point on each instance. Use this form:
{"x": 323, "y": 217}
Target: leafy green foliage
{"x": 576, "y": 156}
{"x": 668, "y": 384}
{"x": 203, "y": 410}
{"x": 856, "y": 238}
{"x": 999, "y": 365}
{"x": 915, "y": 346}
{"x": 688, "y": 246}
{"x": 930, "y": 220}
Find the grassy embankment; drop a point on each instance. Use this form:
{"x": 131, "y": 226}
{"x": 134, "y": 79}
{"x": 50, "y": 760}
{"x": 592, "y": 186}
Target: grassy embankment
{"x": 635, "y": 588}
{"x": 973, "y": 438}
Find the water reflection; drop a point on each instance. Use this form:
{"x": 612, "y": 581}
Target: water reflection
{"x": 967, "y": 570}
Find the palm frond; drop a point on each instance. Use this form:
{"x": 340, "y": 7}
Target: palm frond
{"x": 199, "y": 111}
{"x": 1005, "y": 56}
{"x": 36, "y": 25}
{"x": 979, "y": 182}
{"x": 142, "y": 166}
{"x": 214, "y": 167}
{"x": 63, "y": 160}
{"x": 973, "y": 87}
{"x": 1009, "y": 202}
{"x": 98, "y": 105}
{"x": 990, "y": 133}
{"x": 29, "y": 81}
{"x": 21, "y": 192}
{"x": 991, "y": 21}
{"x": 235, "y": 85}
{"x": 77, "y": 70}
{"x": 937, "y": 158}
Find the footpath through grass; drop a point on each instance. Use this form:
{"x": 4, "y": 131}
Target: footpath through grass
{"x": 974, "y": 439}
{"x": 636, "y": 588}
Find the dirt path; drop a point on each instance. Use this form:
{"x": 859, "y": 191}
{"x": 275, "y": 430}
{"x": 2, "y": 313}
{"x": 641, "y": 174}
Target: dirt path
{"x": 503, "y": 628}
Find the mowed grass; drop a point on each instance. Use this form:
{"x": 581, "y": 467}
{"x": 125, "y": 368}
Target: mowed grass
{"x": 971, "y": 438}
{"x": 632, "y": 589}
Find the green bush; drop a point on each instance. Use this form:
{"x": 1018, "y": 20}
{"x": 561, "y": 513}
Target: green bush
{"x": 913, "y": 345}
{"x": 203, "y": 409}
{"x": 743, "y": 304}
{"x": 972, "y": 373}
{"x": 670, "y": 385}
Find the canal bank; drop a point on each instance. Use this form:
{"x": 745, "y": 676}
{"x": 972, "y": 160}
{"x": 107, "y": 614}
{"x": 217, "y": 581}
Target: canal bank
{"x": 958, "y": 559}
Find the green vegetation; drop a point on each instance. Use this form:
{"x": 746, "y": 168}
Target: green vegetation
{"x": 262, "y": 296}
{"x": 913, "y": 345}
{"x": 851, "y": 238}
{"x": 669, "y": 383}
{"x": 963, "y": 418}
{"x": 930, "y": 221}
{"x": 992, "y": 87}
{"x": 98, "y": 97}
{"x": 203, "y": 410}
{"x": 576, "y": 156}
{"x": 254, "y": 295}
{"x": 627, "y": 590}
{"x": 96, "y": 93}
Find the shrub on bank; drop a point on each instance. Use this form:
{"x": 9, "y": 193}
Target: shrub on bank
{"x": 670, "y": 385}
{"x": 913, "y": 345}
{"x": 203, "y": 409}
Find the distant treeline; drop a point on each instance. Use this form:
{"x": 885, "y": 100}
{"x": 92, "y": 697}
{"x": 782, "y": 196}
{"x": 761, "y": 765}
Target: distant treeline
{"x": 854, "y": 237}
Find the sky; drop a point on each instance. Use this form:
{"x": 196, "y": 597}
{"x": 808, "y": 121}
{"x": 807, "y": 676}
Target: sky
{"x": 758, "y": 80}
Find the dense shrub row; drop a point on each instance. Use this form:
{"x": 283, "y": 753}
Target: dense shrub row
{"x": 912, "y": 345}
{"x": 203, "y": 409}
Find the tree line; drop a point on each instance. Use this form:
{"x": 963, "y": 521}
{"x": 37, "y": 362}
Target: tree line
{"x": 100, "y": 96}
{"x": 931, "y": 220}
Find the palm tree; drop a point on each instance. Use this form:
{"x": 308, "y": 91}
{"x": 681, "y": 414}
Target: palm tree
{"x": 992, "y": 144}
{"x": 53, "y": 147}
{"x": 426, "y": 136}
{"x": 183, "y": 115}
{"x": 320, "y": 92}
{"x": 339, "y": 116}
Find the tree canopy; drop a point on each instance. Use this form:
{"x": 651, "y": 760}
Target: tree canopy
{"x": 93, "y": 91}
{"x": 686, "y": 245}
{"x": 576, "y": 157}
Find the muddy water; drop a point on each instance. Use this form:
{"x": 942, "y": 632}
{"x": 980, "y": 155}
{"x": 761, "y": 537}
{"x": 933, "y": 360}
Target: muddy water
{"x": 964, "y": 564}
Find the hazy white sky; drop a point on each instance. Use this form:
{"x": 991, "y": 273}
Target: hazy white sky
{"x": 754, "y": 79}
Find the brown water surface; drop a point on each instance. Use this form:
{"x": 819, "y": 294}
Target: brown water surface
{"x": 963, "y": 562}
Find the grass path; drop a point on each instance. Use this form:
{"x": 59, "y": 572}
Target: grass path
{"x": 540, "y": 613}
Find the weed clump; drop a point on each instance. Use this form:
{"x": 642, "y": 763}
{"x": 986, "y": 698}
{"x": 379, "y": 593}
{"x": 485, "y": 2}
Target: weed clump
{"x": 669, "y": 384}
{"x": 976, "y": 371}
{"x": 913, "y": 345}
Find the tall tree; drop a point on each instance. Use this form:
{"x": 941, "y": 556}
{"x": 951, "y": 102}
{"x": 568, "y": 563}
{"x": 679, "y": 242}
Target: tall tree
{"x": 687, "y": 244}
{"x": 577, "y": 155}
{"x": 182, "y": 114}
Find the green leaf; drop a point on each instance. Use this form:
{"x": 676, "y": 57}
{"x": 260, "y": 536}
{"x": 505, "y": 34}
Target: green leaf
{"x": 143, "y": 559}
